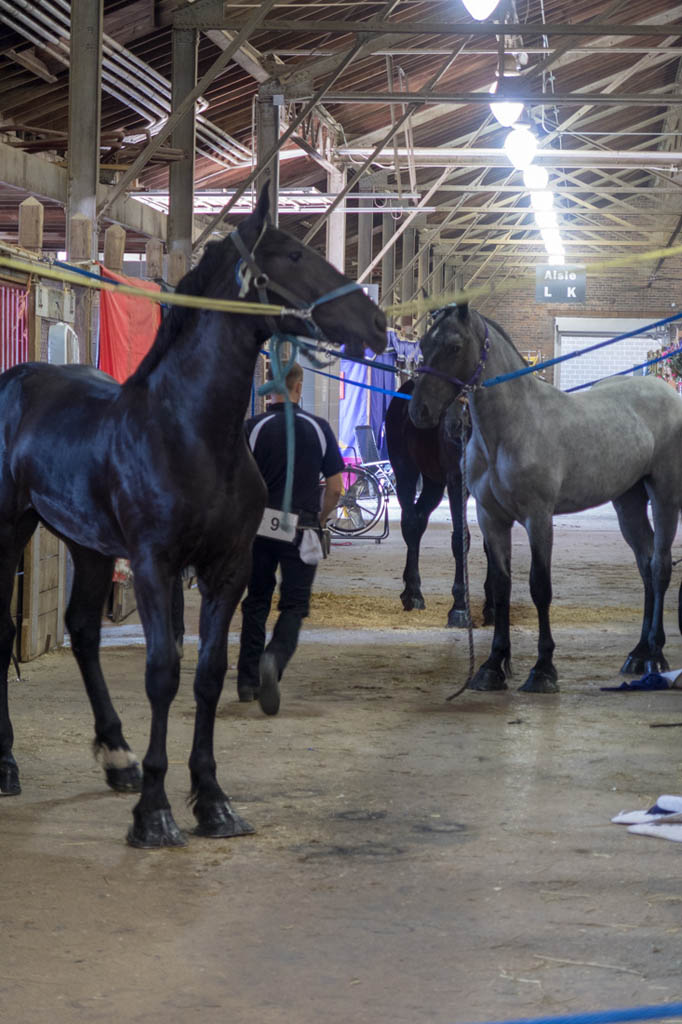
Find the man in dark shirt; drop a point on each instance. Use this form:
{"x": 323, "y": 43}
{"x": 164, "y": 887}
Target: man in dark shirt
{"x": 316, "y": 455}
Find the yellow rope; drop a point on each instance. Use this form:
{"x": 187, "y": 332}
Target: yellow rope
{"x": 470, "y": 294}
{"x": 164, "y": 298}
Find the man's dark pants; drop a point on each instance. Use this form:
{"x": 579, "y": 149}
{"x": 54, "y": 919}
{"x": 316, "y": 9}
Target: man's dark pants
{"x": 294, "y": 606}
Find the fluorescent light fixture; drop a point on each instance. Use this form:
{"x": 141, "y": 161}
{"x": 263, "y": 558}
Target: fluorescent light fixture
{"x": 521, "y": 146}
{"x": 552, "y": 239}
{"x": 546, "y": 219}
{"x": 505, "y": 112}
{"x": 556, "y": 258}
{"x": 480, "y": 9}
{"x": 543, "y": 200}
{"x": 535, "y": 177}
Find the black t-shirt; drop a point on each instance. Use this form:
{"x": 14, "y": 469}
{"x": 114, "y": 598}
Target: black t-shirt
{"x": 316, "y": 452}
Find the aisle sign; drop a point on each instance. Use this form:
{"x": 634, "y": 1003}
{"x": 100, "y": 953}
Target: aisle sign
{"x": 564, "y": 284}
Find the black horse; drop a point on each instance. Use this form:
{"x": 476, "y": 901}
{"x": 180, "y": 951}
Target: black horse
{"x": 157, "y": 470}
{"x": 435, "y": 453}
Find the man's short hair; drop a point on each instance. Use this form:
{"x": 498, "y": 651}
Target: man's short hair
{"x": 294, "y": 375}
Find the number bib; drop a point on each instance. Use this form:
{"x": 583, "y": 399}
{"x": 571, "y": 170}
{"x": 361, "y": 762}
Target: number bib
{"x": 276, "y": 525}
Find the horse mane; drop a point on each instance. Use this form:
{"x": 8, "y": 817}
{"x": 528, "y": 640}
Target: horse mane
{"x": 174, "y": 321}
{"x": 507, "y": 338}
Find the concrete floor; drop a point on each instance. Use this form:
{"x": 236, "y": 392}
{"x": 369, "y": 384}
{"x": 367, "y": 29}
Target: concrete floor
{"x": 414, "y": 860}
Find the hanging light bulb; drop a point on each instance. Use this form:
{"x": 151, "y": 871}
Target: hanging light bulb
{"x": 520, "y": 146}
{"x": 480, "y": 9}
{"x": 535, "y": 177}
{"x": 506, "y": 112}
{"x": 546, "y": 219}
{"x": 543, "y": 200}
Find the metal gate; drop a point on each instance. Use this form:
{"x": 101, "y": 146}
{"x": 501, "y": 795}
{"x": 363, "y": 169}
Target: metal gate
{"x": 13, "y": 326}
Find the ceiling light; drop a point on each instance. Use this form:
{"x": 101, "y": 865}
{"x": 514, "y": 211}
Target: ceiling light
{"x": 546, "y": 219}
{"x": 506, "y": 112}
{"x": 520, "y": 146}
{"x": 535, "y": 177}
{"x": 480, "y": 9}
{"x": 552, "y": 239}
{"x": 556, "y": 258}
{"x": 543, "y": 200}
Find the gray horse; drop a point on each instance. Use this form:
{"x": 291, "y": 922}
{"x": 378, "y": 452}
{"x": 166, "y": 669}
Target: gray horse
{"x": 536, "y": 452}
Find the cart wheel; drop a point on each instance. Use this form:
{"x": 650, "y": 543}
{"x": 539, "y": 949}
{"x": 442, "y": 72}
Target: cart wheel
{"x": 361, "y": 504}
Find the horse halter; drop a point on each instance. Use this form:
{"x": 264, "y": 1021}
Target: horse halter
{"x": 247, "y": 272}
{"x": 464, "y": 385}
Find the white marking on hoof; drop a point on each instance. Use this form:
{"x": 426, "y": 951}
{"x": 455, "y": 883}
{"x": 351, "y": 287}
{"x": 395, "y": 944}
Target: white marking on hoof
{"x": 118, "y": 758}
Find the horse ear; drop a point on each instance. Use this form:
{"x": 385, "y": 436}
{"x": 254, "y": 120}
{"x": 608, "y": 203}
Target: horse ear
{"x": 263, "y": 205}
{"x": 252, "y": 226}
{"x": 463, "y": 310}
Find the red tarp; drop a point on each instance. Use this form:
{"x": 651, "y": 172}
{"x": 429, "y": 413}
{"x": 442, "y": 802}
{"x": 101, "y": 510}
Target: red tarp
{"x": 127, "y": 326}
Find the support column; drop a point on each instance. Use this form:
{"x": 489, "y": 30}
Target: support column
{"x": 268, "y": 109}
{"x": 84, "y": 111}
{"x": 424, "y": 268}
{"x": 181, "y": 178}
{"x": 408, "y": 275}
{"x": 365, "y": 223}
{"x": 388, "y": 259}
{"x": 326, "y": 389}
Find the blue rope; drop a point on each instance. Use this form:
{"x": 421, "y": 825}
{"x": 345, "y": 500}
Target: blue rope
{"x": 359, "y": 384}
{"x": 621, "y": 373}
{"x": 607, "y": 1016}
{"x": 279, "y": 387}
{"x": 574, "y": 355}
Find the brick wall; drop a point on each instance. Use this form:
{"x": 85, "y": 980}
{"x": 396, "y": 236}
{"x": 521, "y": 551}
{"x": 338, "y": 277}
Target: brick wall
{"x": 612, "y": 293}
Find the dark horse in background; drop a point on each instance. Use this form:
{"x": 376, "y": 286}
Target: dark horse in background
{"x": 434, "y": 453}
{"x": 157, "y": 470}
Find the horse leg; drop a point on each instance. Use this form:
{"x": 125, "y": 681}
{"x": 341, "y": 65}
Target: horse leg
{"x": 543, "y": 676}
{"x": 488, "y": 608}
{"x": 414, "y": 518}
{"x": 457, "y": 616}
{"x": 153, "y": 823}
{"x": 665, "y": 515}
{"x": 12, "y": 542}
{"x": 91, "y": 585}
{"x": 178, "y": 614}
{"x": 631, "y": 509}
{"x": 497, "y": 534}
{"x": 212, "y": 809}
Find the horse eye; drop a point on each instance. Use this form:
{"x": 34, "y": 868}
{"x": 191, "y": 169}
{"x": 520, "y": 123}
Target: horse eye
{"x": 295, "y": 255}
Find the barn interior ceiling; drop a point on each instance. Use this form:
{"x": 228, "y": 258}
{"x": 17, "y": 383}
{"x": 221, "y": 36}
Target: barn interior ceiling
{"x": 402, "y": 93}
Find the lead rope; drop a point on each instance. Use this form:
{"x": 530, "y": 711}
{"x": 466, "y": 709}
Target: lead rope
{"x": 278, "y": 385}
{"x": 465, "y": 553}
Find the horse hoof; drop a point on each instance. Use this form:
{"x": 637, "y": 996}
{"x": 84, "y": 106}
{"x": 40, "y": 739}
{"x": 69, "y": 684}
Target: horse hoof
{"x": 9, "y": 777}
{"x": 125, "y": 780}
{"x": 218, "y": 821}
{"x": 458, "y": 619}
{"x": 634, "y": 666}
{"x": 540, "y": 682}
{"x": 488, "y": 679}
{"x": 154, "y": 830}
{"x": 412, "y": 603}
{"x": 658, "y": 664}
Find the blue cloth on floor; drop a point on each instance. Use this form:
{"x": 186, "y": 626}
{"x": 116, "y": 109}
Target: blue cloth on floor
{"x": 652, "y": 681}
